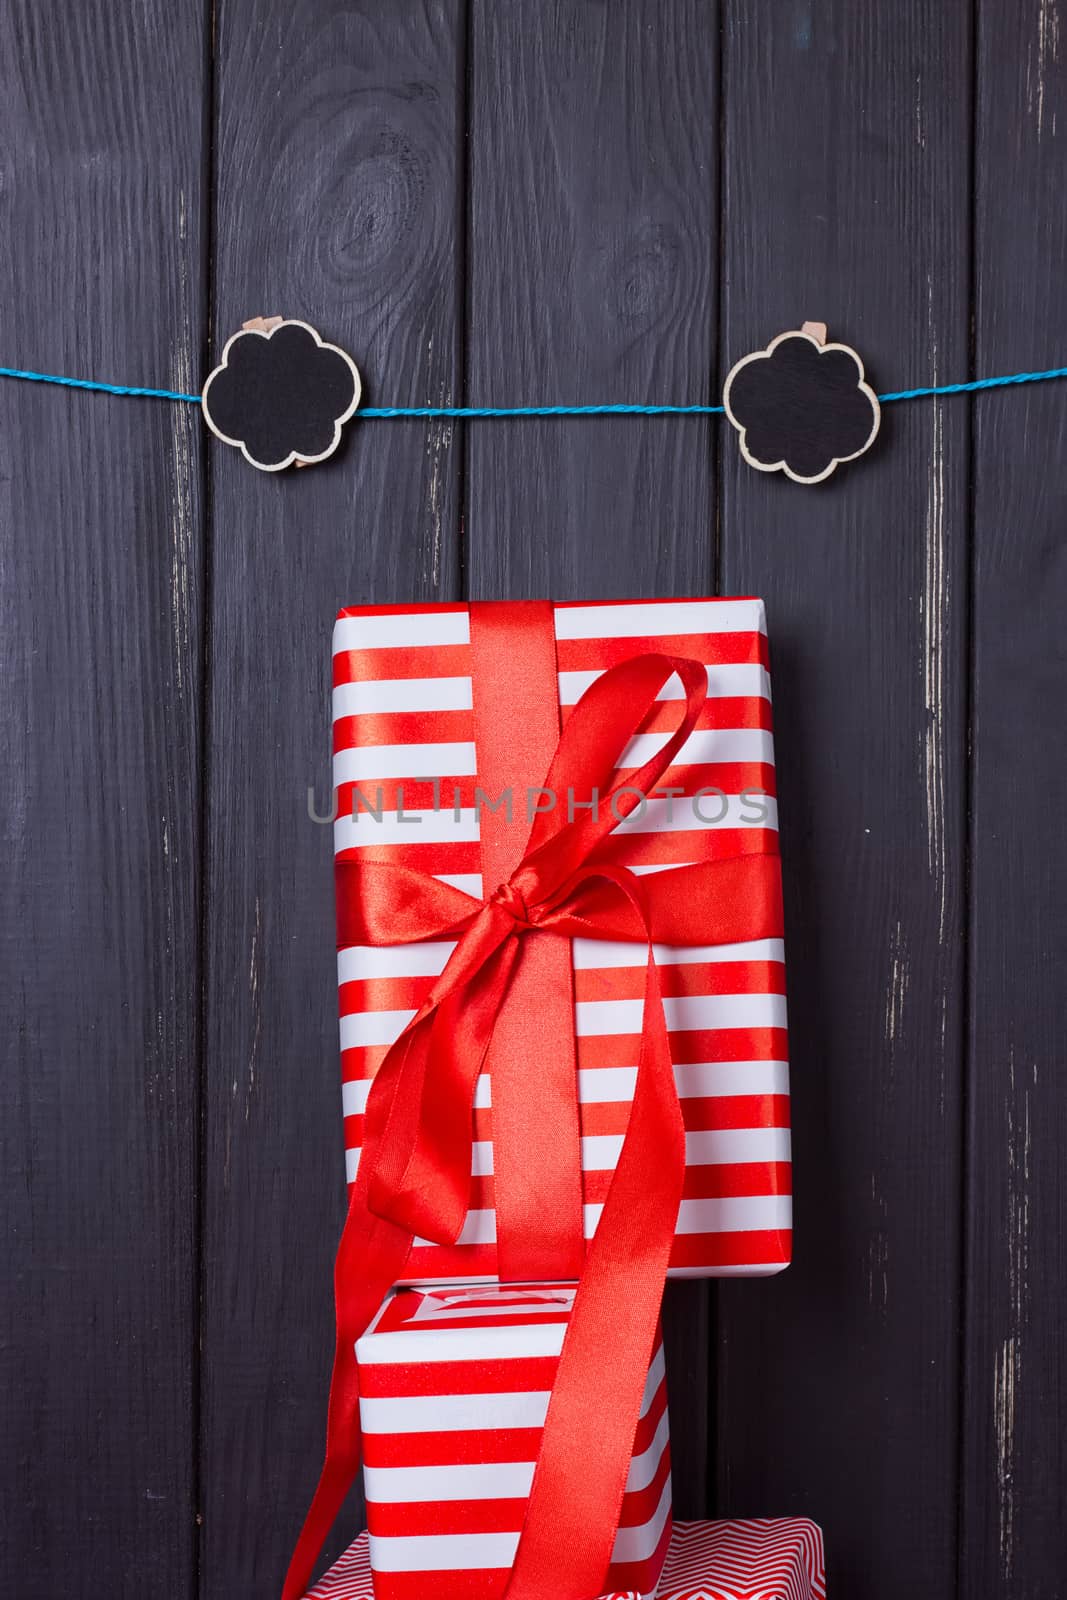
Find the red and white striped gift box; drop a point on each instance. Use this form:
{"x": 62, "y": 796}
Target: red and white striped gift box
{"x": 766, "y": 1558}
{"x": 454, "y": 1386}
{"x": 404, "y": 737}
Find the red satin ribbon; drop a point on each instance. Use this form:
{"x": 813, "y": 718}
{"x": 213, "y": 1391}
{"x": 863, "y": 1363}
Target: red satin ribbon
{"x": 415, "y": 1168}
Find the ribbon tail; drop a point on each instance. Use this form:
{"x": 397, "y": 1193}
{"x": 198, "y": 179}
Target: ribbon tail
{"x": 580, "y": 1478}
{"x": 420, "y": 1174}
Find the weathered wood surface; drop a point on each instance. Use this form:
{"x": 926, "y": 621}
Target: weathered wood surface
{"x": 1013, "y": 1532}
{"x": 100, "y": 666}
{"x": 555, "y": 202}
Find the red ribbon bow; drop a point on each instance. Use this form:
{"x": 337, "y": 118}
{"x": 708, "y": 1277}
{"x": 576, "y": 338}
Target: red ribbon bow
{"x": 415, "y": 1167}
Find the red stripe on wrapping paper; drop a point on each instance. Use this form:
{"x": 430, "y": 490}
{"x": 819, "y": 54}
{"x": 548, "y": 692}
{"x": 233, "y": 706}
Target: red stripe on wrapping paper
{"x": 490, "y": 1445}
{"x": 401, "y": 661}
{"x": 719, "y": 711}
{"x": 364, "y": 729}
{"x": 500, "y": 1375}
{"x": 360, "y": 995}
{"x": 448, "y": 857}
{"x": 700, "y": 1115}
{"x": 725, "y": 1181}
{"x": 714, "y": 649}
{"x": 685, "y": 978}
{"x": 695, "y": 1044}
{"x": 711, "y": 1251}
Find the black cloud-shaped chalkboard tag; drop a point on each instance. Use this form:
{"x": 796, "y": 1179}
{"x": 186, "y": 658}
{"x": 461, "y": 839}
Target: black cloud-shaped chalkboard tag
{"x": 280, "y": 394}
{"x": 801, "y": 406}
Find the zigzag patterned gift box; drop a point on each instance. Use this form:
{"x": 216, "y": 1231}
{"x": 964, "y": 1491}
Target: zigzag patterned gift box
{"x": 412, "y": 700}
{"x": 778, "y": 1558}
{"x": 454, "y": 1386}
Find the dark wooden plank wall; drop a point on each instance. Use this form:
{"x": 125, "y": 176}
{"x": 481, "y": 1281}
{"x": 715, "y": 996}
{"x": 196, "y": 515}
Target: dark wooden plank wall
{"x": 101, "y": 554}
{"x": 565, "y": 202}
{"x": 1014, "y": 1500}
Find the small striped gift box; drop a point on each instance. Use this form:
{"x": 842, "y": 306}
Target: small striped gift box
{"x": 766, "y": 1558}
{"x": 406, "y": 771}
{"x": 454, "y": 1386}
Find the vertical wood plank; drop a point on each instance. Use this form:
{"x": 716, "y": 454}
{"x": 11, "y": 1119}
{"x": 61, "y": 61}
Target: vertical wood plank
{"x": 1014, "y": 1490}
{"x": 337, "y": 201}
{"x": 592, "y": 276}
{"x": 100, "y": 639}
{"x": 846, "y": 199}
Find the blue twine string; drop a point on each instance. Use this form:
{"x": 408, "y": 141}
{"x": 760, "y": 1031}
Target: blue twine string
{"x": 467, "y": 412}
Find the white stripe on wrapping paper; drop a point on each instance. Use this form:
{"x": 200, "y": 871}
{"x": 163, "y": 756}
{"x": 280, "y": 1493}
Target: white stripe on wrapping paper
{"x": 694, "y": 1080}
{"x": 593, "y": 955}
{"x": 599, "y": 1018}
{"x": 458, "y": 1413}
{"x": 706, "y": 746}
{"x": 402, "y": 694}
{"x": 645, "y": 618}
{"x": 364, "y": 763}
{"x": 428, "y": 959}
{"x": 733, "y": 680}
{"x": 495, "y": 1480}
{"x": 415, "y": 827}
{"x": 707, "y": 1148}
{"x": 402, "y": 630}
{"x": 450, "y": 1413}
{"x": 757, "y": 1213}
{"x": 367, "y": 763}
{"x": 373, "y": 1028}
{"x": 749, "y": 1213}
{"x": 457, "y": 1552}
